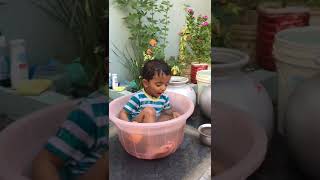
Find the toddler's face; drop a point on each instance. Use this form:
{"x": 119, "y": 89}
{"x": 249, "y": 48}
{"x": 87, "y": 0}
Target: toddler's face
{"x": 157, "y": 85}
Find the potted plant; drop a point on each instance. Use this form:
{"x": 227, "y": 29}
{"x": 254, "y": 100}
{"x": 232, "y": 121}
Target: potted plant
{"x": 242, "y": 25}
{"x": 195, "y": 43}
{"x": 88, "y": 21}
{"x": 314, "y": 11}
{"x": 148, "y": 23}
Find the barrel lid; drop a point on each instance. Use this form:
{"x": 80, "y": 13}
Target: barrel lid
{"x": 300, "y": 37}
{"x": 204, "y": 75}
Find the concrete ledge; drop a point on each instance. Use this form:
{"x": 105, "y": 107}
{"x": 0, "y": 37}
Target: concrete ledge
{"x": 16, "y": 106}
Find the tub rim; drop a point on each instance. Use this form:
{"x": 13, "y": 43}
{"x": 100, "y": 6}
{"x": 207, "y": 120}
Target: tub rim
{"x": 118, "y": 121}
{"x": 248, "y": 164}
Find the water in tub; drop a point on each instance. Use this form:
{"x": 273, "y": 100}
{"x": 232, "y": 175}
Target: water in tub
{"x": 155, "y": 145}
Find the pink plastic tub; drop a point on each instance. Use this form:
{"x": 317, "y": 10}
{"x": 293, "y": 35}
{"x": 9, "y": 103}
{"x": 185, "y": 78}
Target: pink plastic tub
{"x": 152, "y": 140}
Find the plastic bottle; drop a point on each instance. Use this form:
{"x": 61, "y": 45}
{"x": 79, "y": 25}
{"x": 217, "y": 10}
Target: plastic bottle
{"x": 19, "y": 65}
{"x": 110, "y": 81}
{"x": 4, "y": 62}
{"x": 114, "y": 81}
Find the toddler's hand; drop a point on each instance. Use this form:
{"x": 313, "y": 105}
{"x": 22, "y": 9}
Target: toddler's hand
{"x": 175, "y": 114}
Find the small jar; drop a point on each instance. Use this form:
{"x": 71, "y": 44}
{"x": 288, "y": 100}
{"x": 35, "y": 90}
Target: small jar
{"x": 115, "y": 82}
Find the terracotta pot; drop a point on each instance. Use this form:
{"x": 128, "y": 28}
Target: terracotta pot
{"x": 195, "y": 67}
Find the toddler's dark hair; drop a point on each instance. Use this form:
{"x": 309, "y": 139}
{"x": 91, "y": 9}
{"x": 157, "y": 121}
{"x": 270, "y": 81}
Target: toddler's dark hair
{"x": 150, "y": 68}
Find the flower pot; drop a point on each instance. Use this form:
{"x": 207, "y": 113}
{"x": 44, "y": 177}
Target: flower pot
{"x": 186, "y": 72}
{"x": 232, "y": 86}
{"x": 178, "y": 84}
{"x": 195, "y": 67}
{"x": 271, "y": 20}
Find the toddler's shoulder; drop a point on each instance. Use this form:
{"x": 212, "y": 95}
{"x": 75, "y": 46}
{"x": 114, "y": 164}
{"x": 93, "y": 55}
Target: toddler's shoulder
{"x": 139, "y": 95}
{"x": 95, "y": 108}
{"x": 164, "y": 96}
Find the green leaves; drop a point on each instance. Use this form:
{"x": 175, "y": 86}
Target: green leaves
{"x": 147, "y": 19}
{"x": 195, "y": 41}
{"x": 87, "y": 20}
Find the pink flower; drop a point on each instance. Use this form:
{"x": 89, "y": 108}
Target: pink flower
{"x": 205, "y": 23}
{"x": 190, "y": 10}
{"x": 205, "y": 17}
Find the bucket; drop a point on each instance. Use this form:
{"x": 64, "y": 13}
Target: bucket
{"x": 296, "y": 51}
{"x": 272, "y": 19}
{"x": 195, "y": 67}
{"x": 203, "y": 79}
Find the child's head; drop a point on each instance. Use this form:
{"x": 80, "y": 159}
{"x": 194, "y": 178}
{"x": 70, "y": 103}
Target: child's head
{"x": 156, "y": 75}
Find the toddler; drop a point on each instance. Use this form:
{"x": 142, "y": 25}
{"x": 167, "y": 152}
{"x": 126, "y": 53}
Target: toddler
{"x": 151, "y": 104}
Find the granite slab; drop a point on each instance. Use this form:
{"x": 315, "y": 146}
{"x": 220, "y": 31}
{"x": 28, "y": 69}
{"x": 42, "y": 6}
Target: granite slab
{"x": 191, "y": 161}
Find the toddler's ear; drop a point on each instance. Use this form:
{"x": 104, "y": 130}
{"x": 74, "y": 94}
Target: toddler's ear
{"x": 145, "y": 83}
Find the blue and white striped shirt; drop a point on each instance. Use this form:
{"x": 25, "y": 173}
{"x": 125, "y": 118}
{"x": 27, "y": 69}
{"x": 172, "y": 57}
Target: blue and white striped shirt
{"x": 141, "y": 99}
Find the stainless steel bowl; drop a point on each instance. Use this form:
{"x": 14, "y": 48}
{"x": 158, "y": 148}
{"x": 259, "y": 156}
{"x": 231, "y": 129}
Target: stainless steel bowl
{"x": 205, "y": 134}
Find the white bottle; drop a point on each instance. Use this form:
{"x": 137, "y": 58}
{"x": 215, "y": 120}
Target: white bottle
{"x": 4, "y": 64}
{"x": 110, "y": 81}
{"x": 114, "y": 81}
{"x": 19, "y": 65}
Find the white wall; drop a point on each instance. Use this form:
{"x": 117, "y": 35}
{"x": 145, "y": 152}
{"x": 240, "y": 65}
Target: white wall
{"x": 44, "y": 36}
{"x": 118, "y": 33}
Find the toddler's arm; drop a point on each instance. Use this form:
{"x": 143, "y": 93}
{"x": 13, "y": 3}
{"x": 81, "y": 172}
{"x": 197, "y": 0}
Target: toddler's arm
{"x": 123, "y": 115}
{"x": 171, "y": 113}
{"x": 46, "y": 166}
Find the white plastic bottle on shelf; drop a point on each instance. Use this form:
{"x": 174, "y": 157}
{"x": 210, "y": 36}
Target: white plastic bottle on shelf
{"x": 114, "y": 81}
{"x": 4, "y": 63}
{"x": 19, "y": 64}
{"x": 110, "y": 81}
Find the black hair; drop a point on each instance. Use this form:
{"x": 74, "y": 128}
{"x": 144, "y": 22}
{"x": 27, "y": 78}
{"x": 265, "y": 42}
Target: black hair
{"x": 150, "y": 68}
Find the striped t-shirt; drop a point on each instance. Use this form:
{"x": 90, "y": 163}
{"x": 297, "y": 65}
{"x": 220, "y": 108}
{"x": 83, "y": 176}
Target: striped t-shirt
{"x": 141, "y": 99}
{"x": 83, "y": 137}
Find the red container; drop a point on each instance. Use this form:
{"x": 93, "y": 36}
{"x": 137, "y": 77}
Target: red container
{"x": 194, "y": 69}
{"x": 270, "y": 22}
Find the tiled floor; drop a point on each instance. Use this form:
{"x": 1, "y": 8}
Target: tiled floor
{"x": 206, "y": 175}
